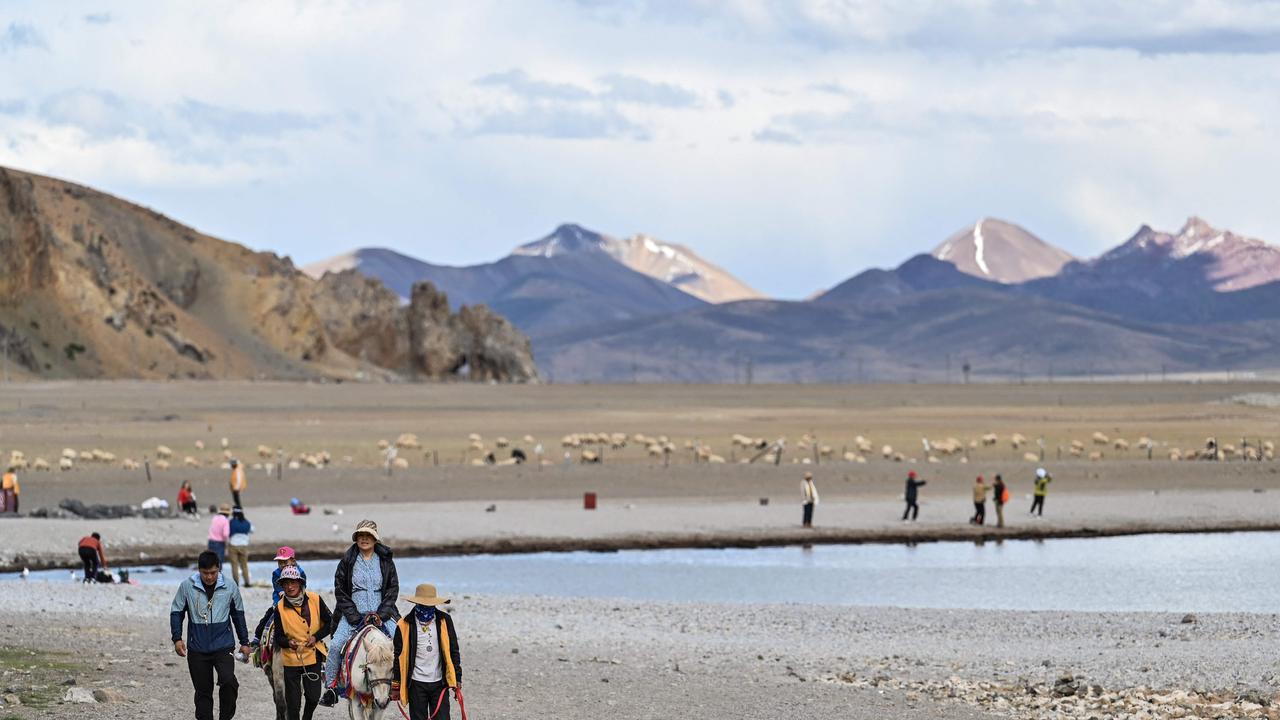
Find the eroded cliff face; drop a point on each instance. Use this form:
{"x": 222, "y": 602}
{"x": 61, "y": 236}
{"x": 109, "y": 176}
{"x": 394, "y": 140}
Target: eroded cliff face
{"x": 421, "y": 340}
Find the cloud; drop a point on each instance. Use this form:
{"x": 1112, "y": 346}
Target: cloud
{"x": 231, "y": 124}
{"x": 99, "y": 114}
{"x": 99, "y": 18}
{"x": 520, "y": 83}
{"x": 20, "y": 35}
{"x": 1223, "y": 41}
{"x": 561, "y": 123}
{"x": 12, "y": 107}
{"x": 771, "y": 135}
{"x": 628, "y": 88}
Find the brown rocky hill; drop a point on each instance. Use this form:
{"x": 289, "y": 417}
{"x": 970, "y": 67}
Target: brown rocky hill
{"x": 96, "y": 287}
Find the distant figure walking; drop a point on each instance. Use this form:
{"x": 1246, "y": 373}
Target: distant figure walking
{"x": 911, "y": 495}
{"x": 1042, "y": 489}
{"x": 9, "y": 491}
{"x": 212, "y": 609}
{"x": 187, "y": 500}
{"x": 809, "y": 493}
{"x": 90, "y": 549}
{"x": 220, "y": 532}
{"x": 979, "y": 502}
{"x": 238, "y": 482}
{"x": 239, "y": 529}
{"x": 999, "y": 496}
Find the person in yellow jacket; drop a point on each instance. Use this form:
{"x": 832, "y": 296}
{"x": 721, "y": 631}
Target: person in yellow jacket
{"x": 302, "y": 623}
{"x": 238, "y": 482}
{"x": 9, "y": 491}
{"x": 428, "y": 661}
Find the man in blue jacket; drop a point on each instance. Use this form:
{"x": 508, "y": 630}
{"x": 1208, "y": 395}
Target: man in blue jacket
{"x": 211, "y": 606}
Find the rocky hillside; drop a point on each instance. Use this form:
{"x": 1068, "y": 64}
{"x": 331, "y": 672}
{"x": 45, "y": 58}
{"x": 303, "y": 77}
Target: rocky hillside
{"x": 96, "y": 287}
{"x": 1001, "y": 252}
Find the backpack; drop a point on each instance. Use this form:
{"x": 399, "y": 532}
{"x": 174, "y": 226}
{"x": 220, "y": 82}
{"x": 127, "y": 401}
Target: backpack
{"x": 1004, "y": 495}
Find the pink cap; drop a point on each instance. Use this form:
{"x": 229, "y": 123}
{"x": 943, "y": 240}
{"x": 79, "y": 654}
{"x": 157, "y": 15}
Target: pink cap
{"x": 285, "y": 553}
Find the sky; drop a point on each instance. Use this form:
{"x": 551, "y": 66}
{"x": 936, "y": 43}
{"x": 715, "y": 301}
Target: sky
{"x": 793, "y": 143}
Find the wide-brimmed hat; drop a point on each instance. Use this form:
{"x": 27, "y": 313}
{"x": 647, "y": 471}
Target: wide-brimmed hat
{"x": 367, "y": 526}
{"x": 291, "y": 572}
{"x": 224, "y": 509}
{"x": 425, "y": 594}
{"x": 286, "y": 553}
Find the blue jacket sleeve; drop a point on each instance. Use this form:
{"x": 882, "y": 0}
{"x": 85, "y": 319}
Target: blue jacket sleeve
{"x": 237, "y": 616}
{"x": 176, "y": 611}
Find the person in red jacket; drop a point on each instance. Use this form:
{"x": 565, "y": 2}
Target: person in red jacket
{"x": 92, "y": 556}
{"x": 187, "y": 499}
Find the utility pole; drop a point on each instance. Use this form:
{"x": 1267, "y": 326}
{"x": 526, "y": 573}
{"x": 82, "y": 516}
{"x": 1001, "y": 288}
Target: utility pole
{"x": 750, "y": 370}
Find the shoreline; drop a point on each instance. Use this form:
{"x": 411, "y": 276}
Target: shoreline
{"x": 179, "y": 556}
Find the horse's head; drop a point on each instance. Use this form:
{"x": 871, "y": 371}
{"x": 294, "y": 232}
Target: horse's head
{"x": 378, "y": 660}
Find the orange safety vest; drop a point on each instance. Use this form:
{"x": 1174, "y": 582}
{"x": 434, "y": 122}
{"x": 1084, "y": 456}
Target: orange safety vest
{"x": 296, "y": 627}
{"x": 11, "y": 483}
{"x": 238, "y": 481}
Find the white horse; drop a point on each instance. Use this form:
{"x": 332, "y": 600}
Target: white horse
{"x": 370, "y": 659}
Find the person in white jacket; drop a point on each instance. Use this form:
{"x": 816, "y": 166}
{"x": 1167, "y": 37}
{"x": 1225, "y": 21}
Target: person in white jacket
{"x": 810, "y": 496}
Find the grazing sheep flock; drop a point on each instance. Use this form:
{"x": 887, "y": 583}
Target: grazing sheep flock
{"x": 592, "y": 448}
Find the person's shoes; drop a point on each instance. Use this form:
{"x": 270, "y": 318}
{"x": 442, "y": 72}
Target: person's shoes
{"x": 329, "y": 698}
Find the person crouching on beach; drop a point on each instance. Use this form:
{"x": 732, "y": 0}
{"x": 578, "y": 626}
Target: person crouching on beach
{"x": 302, "y": 621}
{"x": 428, "y": 661}
{"x": 365, "y": 587}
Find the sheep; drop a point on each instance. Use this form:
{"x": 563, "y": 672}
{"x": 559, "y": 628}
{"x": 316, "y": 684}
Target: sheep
{"x": 85, "y": 456}
{"x": 162, "y": 464}
{"x": 570, "y": 441}
{"x": 589, "y": 457}
{"x": 898, "y": 457}
{"x": 1227, "y": 451}
{"x": 1121, "y": 444}
{"x": 715, "y": 459}
{"x": 826, "y": 451}
{"x": 40, "y": 465}
{"x": 1017, "y": 440}
{"x": 863, "y": 445}
{"x": 189, "y": 461}
{"x": 383, "y": 444}
{"x": 1095, "y": 455}
{"x": 933, "y": 459}
{"x": 1251, "y": 453}
{"x": 1175, "y": 454}
{"x": 199, "y": 444}
{"x": 1268, "y": 446}
{"x": 886, "y": 452}
{"x": 476, "y": 446}
{"x": 400, "y": 463}
{"x": 163, "y": 452}
{"x": 851, "y": 456}
{"x": 130, "y": 464}
{"x": 617, "y": 441}
{"x": 264, "y": 452}
{"x": 474, "y": 437}
{"x": 408, "y": 441}
{"x": 1031, "y": 457}
{"x": 950, "y": 446}
{"x": 65, "y": 463}
{"x": 225, "y": 443}
{"x": 69, "y": 454}
{"x": 1144, "y": 443}
{"x": 501, "y": 442}
{"x": 990, "y": 439}
{"x": 295, "y": 465}
{"x": 530, "y": 440}
{"x": 1100, "y": 439}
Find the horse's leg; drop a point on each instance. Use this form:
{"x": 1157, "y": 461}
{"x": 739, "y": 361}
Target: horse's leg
{"x": 277, "y": 684}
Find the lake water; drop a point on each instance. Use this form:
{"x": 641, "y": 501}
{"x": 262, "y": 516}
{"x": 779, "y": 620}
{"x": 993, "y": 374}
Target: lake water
{"x": 1194, "y": 572}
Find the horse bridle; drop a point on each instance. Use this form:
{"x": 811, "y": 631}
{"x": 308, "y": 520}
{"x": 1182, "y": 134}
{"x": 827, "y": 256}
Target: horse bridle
{"x": 371, "y": 683}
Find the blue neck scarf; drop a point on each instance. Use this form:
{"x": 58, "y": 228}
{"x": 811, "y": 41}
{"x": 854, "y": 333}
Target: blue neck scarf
{"x": 424, "y": 613}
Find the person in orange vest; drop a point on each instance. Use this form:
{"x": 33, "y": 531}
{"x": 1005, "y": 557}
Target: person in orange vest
{"x": 9, "y": 491}
{"x": 238, "y": 482}
{"x": 428, "y": 661}
{"x": 302, "y": 622}
{"x": 90, "y": 550}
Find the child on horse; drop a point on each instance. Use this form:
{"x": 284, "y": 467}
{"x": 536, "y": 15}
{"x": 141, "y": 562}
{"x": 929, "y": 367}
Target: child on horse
{"x": 428, "y": 661}
{"x": 365, "y": 587}
{"x": 301, "y": 623}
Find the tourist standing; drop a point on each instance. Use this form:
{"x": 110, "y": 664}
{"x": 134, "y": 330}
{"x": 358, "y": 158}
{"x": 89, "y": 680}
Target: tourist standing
{"x": 428, "y": 661}
{"x": 809, "y": 494}
{"x": 238, "y": 482}
{"x": 213, "y": 610}
{"x": 239, "y": 529}
{"x": 302, "y": 623}
{"x": 90, "y": 550}
{"x": 220, "y": 532}
{"x": 911, "y": 495}
{"x": 999, "y": 496}
{"x": 979, "y": 502}
{"x": 365, "y": 588}
{"x": 1042, "y": 489}
{"x": 9, "y": 491}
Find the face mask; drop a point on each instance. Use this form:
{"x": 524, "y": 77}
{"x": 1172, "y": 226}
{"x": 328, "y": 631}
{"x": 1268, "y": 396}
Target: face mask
{"x": 425, "y": 613}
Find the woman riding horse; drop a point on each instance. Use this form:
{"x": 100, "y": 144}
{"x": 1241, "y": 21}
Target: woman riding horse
{"x": 365, "y": 586}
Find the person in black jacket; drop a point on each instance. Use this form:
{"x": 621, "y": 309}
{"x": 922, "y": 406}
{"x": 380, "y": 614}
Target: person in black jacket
{"x": 911, "y": 494}
{"x": 365, "y": 587}
{"x": 428, "y": 660}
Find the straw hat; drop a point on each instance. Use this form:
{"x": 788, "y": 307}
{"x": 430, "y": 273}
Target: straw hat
{"x": 367, "y": 526}
{"x": 224, "y": 509}
{"x": 425, "y": 594}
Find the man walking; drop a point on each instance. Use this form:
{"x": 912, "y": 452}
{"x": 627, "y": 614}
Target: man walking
{"x": 999, "y": 496}
{"x": 212, "y": 609}
{"x": 979, "y": 502}
{"x": 911, "y": 494}
{"x": 238, "y": 482}
{"x": 1042, "y": 489}
{"x": 810, "y": 497}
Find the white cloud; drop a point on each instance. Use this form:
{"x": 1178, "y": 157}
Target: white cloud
{"x": 848, "y": 132}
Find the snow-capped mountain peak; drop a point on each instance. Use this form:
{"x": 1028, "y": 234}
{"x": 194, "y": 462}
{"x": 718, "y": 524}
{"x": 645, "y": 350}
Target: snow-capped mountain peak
{"x": 996, "y": 250}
